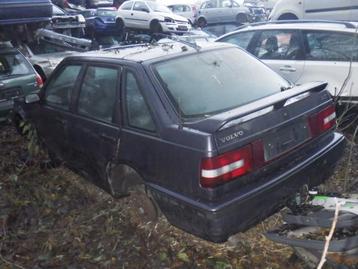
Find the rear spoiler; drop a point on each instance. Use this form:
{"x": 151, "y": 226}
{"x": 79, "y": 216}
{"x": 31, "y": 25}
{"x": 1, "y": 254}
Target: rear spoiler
{"x": 276, "y": 101}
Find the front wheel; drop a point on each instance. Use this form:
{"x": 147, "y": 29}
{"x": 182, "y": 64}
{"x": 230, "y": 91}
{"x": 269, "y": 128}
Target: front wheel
{"x": 155, "y": 27}
{"x": 202, "y": 22}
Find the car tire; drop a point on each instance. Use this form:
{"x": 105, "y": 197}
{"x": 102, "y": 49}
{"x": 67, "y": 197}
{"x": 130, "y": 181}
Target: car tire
{"x": 155, "y": 27}
{"x": 202, "y": 22}
{"x": 287, "y": 16}
{"x": 120, "y": 25}
{"x": 241, "y": 19}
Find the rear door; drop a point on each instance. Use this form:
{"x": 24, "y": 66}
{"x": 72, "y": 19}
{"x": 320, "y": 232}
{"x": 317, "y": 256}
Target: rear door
{"x": 283, "y": 51}
{"x": 56, "y": 107}
{"x": 328, "y": 9}
{"x": 328, "y": 56}
{"x": 95, "y": 125}
{"x": 211, "y": 11}
{"x": 125, "y": 12}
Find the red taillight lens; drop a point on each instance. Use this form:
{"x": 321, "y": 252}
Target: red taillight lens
{"x": 323, "y": 120}
{"x": 226, "y": 167}
{"x": 39, "y": 81}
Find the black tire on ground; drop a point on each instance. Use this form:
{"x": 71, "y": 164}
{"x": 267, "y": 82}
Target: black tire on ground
{"x": 287, "y": 16}
{"x": 155, "y": 27}
{"x": 241, "y": 19}
{"x": 202, "y": 22}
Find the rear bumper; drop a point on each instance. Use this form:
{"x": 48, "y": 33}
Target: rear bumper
{"x": 217, "y": 221}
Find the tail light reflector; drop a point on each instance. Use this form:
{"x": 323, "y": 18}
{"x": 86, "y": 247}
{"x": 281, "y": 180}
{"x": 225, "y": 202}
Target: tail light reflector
{"x": 39, "y": 81}
{"x": 323, "y": 120}
{"x": 226, "y": 167}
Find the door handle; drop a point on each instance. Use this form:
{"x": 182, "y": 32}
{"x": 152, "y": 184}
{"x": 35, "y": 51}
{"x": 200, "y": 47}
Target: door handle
{"x": 131, "y": 14}
{"x": 108, "y": 137}
{"x": 287, "y": 68}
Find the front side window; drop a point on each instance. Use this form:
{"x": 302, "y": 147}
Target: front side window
{"x": 126, "y": 5}
{"x": 140, "y": 6}
{"x": 98, "y": 93}
{"x": 59, "y": 90}
{"x": 329, "y": 46}
{"x": 279, "y": 45}
{"x": 138, "y": 114}
{"x": 240, "y": 39}
{"x": 221, "y": 80}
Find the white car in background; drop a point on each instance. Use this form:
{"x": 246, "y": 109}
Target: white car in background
{"x": 315, "y": 9}
{"x": 306, "y": 51}
{"x": 185, "y": 8}
{"x": 149, "y": 15}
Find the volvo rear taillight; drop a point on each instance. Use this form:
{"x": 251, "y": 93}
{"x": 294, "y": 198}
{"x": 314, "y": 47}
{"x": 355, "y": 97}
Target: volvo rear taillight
{"x": 226, "y": 167}
{"x": 39, "y": 81}
{"x": 323, "y": 120}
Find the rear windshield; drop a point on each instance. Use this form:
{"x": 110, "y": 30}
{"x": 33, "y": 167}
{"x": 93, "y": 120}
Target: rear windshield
{"x": 14, "y": 65}
{"x": 210, "y": 82}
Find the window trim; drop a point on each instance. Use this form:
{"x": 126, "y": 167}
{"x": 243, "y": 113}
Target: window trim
{"x": 54, "y": 75}
{"x": 125, "y": 113}
{"x": 305, "y": 44}
{"x": 115, "y": 117}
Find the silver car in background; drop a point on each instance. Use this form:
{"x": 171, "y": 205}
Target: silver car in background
{"x": 222, "y": 11}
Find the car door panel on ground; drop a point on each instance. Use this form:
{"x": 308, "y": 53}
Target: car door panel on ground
{"x": 282, "y": 50}
{"x": 95, "y": 129}
{"x": 57, "y": 107}
{"x": 328, "y": 9}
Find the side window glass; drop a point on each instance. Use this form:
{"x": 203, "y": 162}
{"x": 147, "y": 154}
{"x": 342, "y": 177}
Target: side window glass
{"x": 140, "y": 6}
{"x": 138, "y": 114}
{"x": 328, "y": 46}
{"x": 127, "y": 6}
{"x": 241, "y": 39}
{"x": 58, "y": 92}
{"x": 279, "y": 45}
{"x": 98, "y": 93}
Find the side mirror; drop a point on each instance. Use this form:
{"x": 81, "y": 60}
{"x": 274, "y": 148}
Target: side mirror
{"x": 32, "y": 98}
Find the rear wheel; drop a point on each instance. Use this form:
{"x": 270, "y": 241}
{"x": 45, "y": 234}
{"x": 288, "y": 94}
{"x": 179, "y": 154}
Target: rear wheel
{"x": 120, "y": 25}
{"x": 287, "y": 16}
{"x": 202, "y": 22}
{"x": 241, "y": 19}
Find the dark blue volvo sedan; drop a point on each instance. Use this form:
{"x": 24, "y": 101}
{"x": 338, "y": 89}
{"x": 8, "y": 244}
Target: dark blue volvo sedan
{"x": 218, "y": 140}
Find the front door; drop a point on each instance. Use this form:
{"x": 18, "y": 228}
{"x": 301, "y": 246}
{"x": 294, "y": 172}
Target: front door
{"x": 95, "y": 130}
{"x": 283, "y": 51}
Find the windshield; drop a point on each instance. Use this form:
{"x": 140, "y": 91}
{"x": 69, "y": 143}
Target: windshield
{"x": 14, "y": 65}
{"x": 158, "y": 8}
{"x": 221, "y": 80}
{"x": 107, "y": 13}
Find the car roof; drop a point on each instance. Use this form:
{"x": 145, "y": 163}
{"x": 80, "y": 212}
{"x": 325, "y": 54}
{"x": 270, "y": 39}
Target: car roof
{"x": 151, "y": 52}
{"x": 305, "y": 25}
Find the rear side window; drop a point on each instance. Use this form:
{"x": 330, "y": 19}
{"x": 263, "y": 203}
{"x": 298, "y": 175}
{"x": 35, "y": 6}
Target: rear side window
{"x": 98, "y": 93}
{"x": 59, "y": 90}
{"x": 138, "y": 114}
{"x": 240, "y": 39}
{"x": 14, "y": 65}
{"x": 279, "y": 45}
{"x": 329, "y": 46}
{"x": 221, "y": 80}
